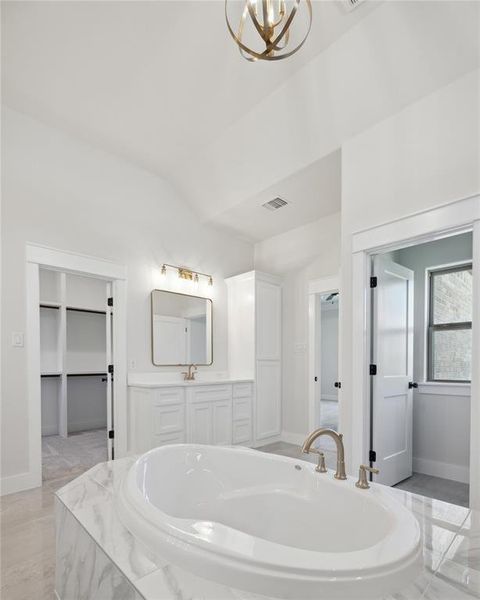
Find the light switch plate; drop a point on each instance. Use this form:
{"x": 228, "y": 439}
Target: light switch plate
{"x": 17, "y": 339}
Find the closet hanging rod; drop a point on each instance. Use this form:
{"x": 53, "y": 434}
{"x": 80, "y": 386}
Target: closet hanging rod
{"x": 87, "y": 310}
{"x": 86, "y": 374}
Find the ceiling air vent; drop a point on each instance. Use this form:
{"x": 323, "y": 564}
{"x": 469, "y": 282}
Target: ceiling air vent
{"x": 275, "y": 204}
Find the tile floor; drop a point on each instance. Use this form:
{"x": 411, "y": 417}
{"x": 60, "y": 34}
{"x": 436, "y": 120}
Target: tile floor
{"x": 27, "y": 519}
{"x": 76, "y": 454}
{"x": 436, "y": 487}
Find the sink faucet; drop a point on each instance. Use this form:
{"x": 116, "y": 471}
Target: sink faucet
{"x": 337, "y": 438}
{"x": 190, "y": 374}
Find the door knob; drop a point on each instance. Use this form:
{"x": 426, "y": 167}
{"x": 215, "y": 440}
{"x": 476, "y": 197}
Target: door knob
{"x": 412, "y": 384}
{"x": 338, "y": 384}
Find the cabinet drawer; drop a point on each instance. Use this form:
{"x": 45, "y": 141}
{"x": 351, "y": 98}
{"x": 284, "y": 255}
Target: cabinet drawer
{"x": 169, "y": 395}
{"x": 242, "y": 390}
{"x": 242, "y": 408}
{"x": 242, "y": 431}
{"x": 207, "y": 393}
{"x": 168, "y": 438}
{"x": 168, "y": 418}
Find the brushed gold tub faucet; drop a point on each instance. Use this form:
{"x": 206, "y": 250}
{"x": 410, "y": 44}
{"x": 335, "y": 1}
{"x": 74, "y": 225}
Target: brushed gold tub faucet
{"x": 338, "y": 439}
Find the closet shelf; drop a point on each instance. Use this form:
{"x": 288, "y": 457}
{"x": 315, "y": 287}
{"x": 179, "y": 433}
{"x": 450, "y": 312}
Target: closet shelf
{"x": 45, "y": 304}
{"x": 86, "y": 310}
{"x": 89, "y": 374}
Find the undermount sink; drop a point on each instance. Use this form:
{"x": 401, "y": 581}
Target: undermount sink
{"x": 269, "y": 524}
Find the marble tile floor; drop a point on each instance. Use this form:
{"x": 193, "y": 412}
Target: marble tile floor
{"x": 75, "y": 454}
{"x": 436, "y": 487}
{"x": 27, "y": 518}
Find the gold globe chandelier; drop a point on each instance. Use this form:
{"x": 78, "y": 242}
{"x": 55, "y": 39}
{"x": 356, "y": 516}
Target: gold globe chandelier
{"x": 271, "y": 22}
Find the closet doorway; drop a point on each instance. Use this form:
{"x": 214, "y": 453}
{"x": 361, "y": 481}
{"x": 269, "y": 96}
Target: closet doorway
{"x": 76, "y": 328}
{"x": 76, "y": 385}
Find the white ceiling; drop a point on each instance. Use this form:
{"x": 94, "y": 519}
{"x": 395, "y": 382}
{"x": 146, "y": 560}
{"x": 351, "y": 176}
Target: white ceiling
{"x": 311, "y": 193}
{"x": 154, "y": 81}
{"x": 163, "y": 85}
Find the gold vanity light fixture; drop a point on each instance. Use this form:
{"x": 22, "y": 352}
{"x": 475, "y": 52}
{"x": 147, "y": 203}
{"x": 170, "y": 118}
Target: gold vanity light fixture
{"x": 270, "y": 22}
{"x": 187, "y": 274}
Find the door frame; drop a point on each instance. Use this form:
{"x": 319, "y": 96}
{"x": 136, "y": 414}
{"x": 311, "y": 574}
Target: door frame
{"x": 324, "y": 285}
{"x": 425, "y": 226}
{"x": 68, "y": 262}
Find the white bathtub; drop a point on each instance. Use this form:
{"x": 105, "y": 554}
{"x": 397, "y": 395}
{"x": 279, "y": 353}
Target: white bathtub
{"x": 269, "y": 524}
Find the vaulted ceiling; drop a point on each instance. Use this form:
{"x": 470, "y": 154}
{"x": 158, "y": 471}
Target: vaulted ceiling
{"x": 163, "y": 85}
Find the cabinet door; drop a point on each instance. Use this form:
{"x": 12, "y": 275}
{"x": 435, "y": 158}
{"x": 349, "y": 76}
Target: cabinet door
{"x": 268, "y": 321}
{"x": 222, "y": 422}
{"x": 200, "y": 426}
{"x": 268, "y": 399}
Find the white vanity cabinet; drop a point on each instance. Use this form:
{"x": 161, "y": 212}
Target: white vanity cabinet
{"x": 218, "y": 413}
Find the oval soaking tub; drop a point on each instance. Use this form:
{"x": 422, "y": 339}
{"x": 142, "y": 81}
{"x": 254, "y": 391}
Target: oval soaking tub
{"x": 269, "y": 524}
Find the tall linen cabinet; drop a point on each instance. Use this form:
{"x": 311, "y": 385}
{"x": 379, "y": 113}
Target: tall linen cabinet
{"x": 255, "y": 346}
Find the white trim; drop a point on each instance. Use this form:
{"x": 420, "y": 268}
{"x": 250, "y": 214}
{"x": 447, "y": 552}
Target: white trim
{"x": 449, "y": 219}
{"x": 323, "y": 285}
{"x": 475, "y": 385}
{"x": 60, "y": 260}
{"x": 18, "y": 483}
{"x": 444, "y": 389}
{"x": 440, "y": 469}
{"x": 426, "y": 225}
{"x": 331, "y": 397}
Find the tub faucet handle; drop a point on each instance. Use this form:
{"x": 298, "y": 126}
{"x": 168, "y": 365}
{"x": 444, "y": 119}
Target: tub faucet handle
{"x": 362, "y": 482}
{"x": 321, "y": 467}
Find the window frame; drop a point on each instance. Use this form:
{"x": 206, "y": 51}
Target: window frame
{"x": 431, "y": 327}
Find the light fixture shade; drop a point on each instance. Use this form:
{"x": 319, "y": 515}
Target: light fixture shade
{"x": 270, "y": 22}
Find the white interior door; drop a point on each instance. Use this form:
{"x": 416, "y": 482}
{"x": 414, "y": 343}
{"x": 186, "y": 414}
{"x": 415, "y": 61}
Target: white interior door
{"x": 109, "y": 361}
{"x": 393, "y": 356}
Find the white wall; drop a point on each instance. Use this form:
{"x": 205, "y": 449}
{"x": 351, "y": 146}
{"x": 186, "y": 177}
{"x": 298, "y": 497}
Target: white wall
{"x": 329, "y": 350}
{"x": 426, "y": 155}
{"x": 434, "y": 413}
{"x": 300, "y": 255}
{"x": 62, "y": 193}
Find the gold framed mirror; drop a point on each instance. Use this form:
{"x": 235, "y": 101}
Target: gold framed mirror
{"x": 182, "y": 329}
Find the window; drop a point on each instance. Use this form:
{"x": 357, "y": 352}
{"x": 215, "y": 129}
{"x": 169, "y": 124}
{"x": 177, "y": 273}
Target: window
{"x": 450, "y": 325}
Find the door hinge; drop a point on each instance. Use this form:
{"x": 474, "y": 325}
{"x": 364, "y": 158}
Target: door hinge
{"x": 110, "y": 369}
{"x": 110, "y": 302}
{"x": 372, "y": 456}
{"x": 315, "y": 378}
{"x": 373, "y": 369}
{"x": 373, "y": 282}
{"x": 111, "y": 434}
{"x": 338, "y": 384}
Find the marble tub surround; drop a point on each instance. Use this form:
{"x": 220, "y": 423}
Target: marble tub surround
{"x": 451, "y": 547}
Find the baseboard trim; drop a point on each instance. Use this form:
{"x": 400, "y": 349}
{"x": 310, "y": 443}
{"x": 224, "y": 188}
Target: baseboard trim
{"x": 435, "y": 468}
{"x": 19, "y": 483}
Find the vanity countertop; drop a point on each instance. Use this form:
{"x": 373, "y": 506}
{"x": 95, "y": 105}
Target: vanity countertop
{"x": 451, "y": 548}
{"x": 181, "y": 383}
